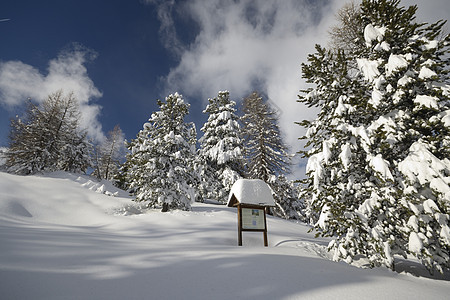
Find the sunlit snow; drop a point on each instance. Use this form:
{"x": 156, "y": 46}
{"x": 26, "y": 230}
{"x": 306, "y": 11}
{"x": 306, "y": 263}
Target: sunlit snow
{"x": 60, "y": 239}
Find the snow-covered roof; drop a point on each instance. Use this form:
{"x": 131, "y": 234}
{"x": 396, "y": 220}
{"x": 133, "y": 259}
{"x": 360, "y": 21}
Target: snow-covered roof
{"x": 250, "y": 191}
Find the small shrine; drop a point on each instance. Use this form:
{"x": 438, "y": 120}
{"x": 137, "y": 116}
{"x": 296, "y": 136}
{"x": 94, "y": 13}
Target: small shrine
{"x": 251, "y": 197}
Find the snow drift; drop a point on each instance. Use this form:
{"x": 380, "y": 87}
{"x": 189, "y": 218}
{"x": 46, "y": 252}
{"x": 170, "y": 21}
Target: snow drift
{"x": 63, "y": 237}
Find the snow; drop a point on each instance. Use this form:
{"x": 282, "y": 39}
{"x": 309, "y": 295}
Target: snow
{"x": 326, "y": 150}
{"x": 325, "y": 215}
{"x": 429, "y": 206}
{"x": 415, "y": 243}
{"x": 404, "y": 80}
{"x": 395, "y": 62}
{"x": 382, "y": 46}
{"x": 427, "y": 101}
{"x": 445, "y": 233}
{"x": 62, "y": 240}
{"x": 431, "y": 45}
{"x": 314, "y": 166}
{"x": 252, "y": 191}
{"x": 342, "y": 108}
{"x": 372, "y": 33}
{"x": 377, "y": 96}
{"x": 426, "y": 73}
{"x": 3, "y": 156}
{"x": 380, "y": 165}
{"x": 422, "y": 166}
{"x": 369, "y": 68}
{"x": 345, "y": 155}
{"x": 414, "y": 223}
{"x": 446, "y": 117}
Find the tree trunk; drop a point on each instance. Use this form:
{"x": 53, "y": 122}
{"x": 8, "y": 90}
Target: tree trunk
{"x": 165, "y": 207}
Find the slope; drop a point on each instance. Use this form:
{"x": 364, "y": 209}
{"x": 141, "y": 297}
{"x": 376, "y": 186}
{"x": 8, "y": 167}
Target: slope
{"x": 63, "y": 237}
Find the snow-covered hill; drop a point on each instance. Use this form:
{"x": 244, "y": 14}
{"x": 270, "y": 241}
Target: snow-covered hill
{"x": 63, "y": 237}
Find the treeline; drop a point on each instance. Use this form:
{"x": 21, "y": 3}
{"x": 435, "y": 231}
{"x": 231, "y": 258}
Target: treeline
{"x": 162, "y": 167}
{"x": 49, "y": 138}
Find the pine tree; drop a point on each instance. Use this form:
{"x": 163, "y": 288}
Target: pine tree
{"x": 220, "y": 151}
{"x": 160, "y": 165}
{"x": 265, "y": 152}
{"x": 49, "y": 138}
{"x": 109, "y": 153}
{"x": 365, "y": 183}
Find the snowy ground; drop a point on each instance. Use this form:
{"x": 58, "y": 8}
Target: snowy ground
{"x": 61, "y": 237}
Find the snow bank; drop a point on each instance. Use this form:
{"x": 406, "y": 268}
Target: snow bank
{"x": 59, "y": 197}
{"x": 175, "y": 255}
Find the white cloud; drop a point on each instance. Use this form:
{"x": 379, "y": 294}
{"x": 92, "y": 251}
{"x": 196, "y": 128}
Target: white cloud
{"x": 19, "y": 81}
{"x": 246, "y": 45}
{"x": 243, "y": 45}
{"x": 430, "y": 11}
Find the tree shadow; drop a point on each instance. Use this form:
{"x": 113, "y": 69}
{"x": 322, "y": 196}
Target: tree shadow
{"x": 418, "y": 270}
{"x": 43, "y": 261}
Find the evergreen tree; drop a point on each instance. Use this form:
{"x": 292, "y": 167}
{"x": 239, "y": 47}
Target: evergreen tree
{"x": 265, "y": 152}
{"x": 160, "y": 165}
{"x": 49, "y": 138}
{"x": 285, "y": 193}
{"x": 369, "y": 186}
{"x": 109, "y": 153}
{"x": 220, "y": 151}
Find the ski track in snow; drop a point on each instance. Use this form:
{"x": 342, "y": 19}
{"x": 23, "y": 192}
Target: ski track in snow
{"x": 62, "y": 237}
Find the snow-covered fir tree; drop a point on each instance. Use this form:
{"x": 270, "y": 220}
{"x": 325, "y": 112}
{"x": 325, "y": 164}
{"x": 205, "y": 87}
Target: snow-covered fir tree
{"x": 285, "y": 193}
{"x": 49, "y": 138}
{"x": 160, "y": 165}
{"x": 221, "y": 153}
{"x": 265, "y": 152}
{"x": 378, "y": 166}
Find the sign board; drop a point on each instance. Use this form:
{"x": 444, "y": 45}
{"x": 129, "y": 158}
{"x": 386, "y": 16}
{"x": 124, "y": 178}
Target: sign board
{"x": 251, "y": 197}
{"x": 253, "y": 218}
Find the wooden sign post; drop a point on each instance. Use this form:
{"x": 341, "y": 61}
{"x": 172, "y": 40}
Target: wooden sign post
{"x": 251, "y": 197}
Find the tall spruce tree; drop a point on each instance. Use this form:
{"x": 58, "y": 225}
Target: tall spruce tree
{"x": 49, "y": 138}
{"x": 265, "y": 150}
{"x": 266, "y": 153}
{"x": 160, "y": 165}
{"x": 221, "y": 152}
{"x": 378, "y": 166}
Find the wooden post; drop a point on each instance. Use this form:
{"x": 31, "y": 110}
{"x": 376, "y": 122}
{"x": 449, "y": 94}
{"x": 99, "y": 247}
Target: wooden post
{"x": 239, "y": 225}
{"x": 266, "y": 243}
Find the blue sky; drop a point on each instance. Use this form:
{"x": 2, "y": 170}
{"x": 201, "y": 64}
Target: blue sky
{"x": 119, "y": 56}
